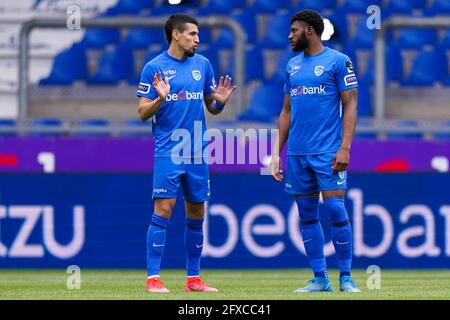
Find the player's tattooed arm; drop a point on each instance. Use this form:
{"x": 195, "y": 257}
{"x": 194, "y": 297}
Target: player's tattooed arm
{"x": 350, "y": 104}
{"x": 284, "y": 123}
{"x": 147, "y": 107}
{"x": 220, "y": 95}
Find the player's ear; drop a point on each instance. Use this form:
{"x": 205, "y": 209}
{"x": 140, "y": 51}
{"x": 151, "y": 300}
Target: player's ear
{"x": 176, "y": 34}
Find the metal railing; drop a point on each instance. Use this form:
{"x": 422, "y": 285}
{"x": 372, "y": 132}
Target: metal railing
{"x": 380, "y": 54}
{"x": 124, "y": 22}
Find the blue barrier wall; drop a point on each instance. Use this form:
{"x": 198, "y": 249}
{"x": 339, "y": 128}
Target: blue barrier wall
{"x": 100, "y": 220}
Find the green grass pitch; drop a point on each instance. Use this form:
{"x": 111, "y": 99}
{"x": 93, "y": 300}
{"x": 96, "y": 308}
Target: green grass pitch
{"x": 276, "y": 284}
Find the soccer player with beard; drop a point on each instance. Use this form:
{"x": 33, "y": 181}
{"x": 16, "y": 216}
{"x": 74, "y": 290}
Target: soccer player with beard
{"x": 174, "y": 89}
{"x": 319, "y": 81}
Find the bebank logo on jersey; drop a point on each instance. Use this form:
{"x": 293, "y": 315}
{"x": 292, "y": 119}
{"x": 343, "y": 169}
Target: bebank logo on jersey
{"x": 185, "y": 95}
{"x": 307, "y": 90}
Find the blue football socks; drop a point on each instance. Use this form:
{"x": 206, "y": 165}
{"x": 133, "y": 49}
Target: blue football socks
{"x": 193, "y": 243}
{"x": 156, "y": 238}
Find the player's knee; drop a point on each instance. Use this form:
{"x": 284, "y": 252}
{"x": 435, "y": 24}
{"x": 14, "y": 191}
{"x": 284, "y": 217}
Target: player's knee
{"x": 308, "y": 208}
{"x": 164, "y": 209}
{"x": 336, "y": 209}
{"x": 195, "y": 210}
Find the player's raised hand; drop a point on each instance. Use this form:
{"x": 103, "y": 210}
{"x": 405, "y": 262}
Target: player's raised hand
{"x": 161, "y": 86}
{"x": 224, "y": 91}
{"x": 275, "y": 168}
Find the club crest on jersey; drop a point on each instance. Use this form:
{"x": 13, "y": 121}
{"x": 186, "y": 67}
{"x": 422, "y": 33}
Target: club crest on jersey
{"x": 196, "y": 74}
{"x": 318, "y": 70}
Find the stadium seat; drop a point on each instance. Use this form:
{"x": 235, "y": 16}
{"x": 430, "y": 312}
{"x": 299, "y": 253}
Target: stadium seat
{"x": 150, "y": 55}
{"x": 254, "y": 65}
{"x": 416, "y": 38}
{"x": 129, "y": 7}
{"x": 359, "y": 6}
{"x": 364, "y": 100}
{"x": 364, "y": 38}
{"x": 141, "y": 38}
{"x": 68, "y": 66}
{"x": 98, "y": 38}
{"x": 315, "y": 5}
{"x": 337, "y": 18}
{"x": 213, "y": 57}
{"x": 424, "y": 71}
{"x": 115, "y": 64}
{"x": 277, "y": 76}
{"x": 221, "y": 6}
{"x": 46, "y": 127}
{"x": 394, "y": 66}
{"x": 265, "y": 104}
{"x": 443, "y": 135}
{"x": 136, "y": 128}
{"x": 7, "y": 128}
{"x": 407, "y": 124}
{"x": 439, "y": 7}
{"x": 92, "y": 127}
{"x": 403, "y": 6}
{"x": 278, "y": 39}
{"x": 247, "y": 20}
{"x": 269, "y": 6}
{"x": 446, "y": 40}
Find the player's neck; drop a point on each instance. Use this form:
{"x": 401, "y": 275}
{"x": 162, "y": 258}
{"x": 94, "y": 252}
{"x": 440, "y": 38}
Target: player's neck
{"x": 176, "y": 52}
{"x": 314, "y": 48}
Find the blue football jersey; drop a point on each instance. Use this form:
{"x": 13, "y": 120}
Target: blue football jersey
{"x": 190, "y": 80}
{"x": 314, "y": 84}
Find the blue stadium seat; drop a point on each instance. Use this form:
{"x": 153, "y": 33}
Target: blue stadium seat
{"x": 403, "y": 6}
{"x": 254, "y": 65}
{"x": 278, "y": 39}
{"x": 315, "y": 5}
{"x": 141, "y": 38}
{"x": 442, "y": 70}
{"x": 221, "y": 6}
{"x": 277, "y": 76}
{"x": 7, "y": 128}
{"x": 98, "y": 38}
{"x": 364, "y": 100}
{"x": 439, "y": 7}
{"x": 405, "y": 123}
{"x": 136, "y": 128}
{"x": 416, "y": 38}
{"x": 443, "y": 135}
{"x": 213, "y": 56}
{"x": 359, "y": 6}
{"x": 129, "y": 7}
{"x": 424, "y": 71}
{"x": 46, "y": 127}
{"x": 247, "y": 20}
{"x": 265, "y": 104}
{"x": 68, "y": 66}
{"x": 446, "y": 40}
{"x": 92, "y": 127}
{"x": 115, "y": 64}
{"x": 136, "y": 78}
{"x": 269, "y": 6}
{"x": 394, "y": 66}
{"x": 364, "y": 38}
{"x": 337, "y": 18}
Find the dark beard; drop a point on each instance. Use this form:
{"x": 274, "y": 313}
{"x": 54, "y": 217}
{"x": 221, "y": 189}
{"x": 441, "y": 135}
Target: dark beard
{"x": 189, "y": 53}
{"x": 301, "y": 44}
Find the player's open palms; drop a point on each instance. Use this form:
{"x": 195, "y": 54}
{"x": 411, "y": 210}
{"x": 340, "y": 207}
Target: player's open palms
{"x": 161, "y": 86}
{"x": 224, "y": 91}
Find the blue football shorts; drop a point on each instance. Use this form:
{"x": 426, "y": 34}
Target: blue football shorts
{"x": 194, "y": 180}
{"x": 307, "y": 174}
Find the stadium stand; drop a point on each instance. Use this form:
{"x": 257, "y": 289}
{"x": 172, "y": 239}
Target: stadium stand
{"x": 103, "y": 62}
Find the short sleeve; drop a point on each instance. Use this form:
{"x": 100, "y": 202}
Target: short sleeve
{"x": 145, "y": 88}
{"x": 209, "y": 79}
{"x": 345, "y": 74}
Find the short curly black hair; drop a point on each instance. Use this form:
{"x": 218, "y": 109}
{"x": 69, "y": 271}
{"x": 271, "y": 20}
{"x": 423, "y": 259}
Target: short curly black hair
{"x": 311, "y": 17}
